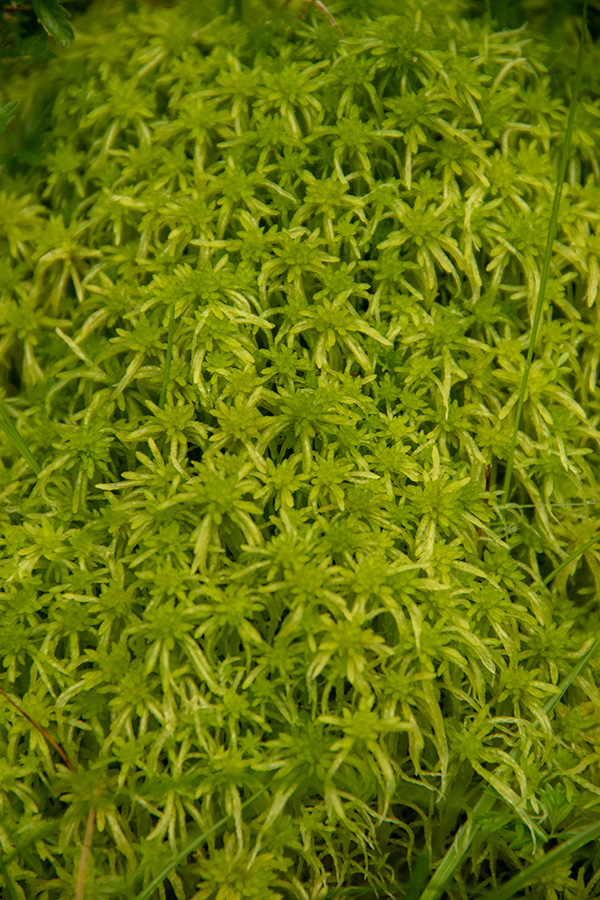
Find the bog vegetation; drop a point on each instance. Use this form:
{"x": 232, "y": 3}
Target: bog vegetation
{"x": 300, "y": 439}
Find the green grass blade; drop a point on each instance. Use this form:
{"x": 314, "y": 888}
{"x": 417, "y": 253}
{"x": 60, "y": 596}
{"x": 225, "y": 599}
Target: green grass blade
{"x": 570, "y": 558}
{"x": 23, "y": 848}
{"x": 562, "y": 169}
{"x": 464, "y": 836}
{"x": 418, "y": 878}
{"x": 10, "y": 430}
{"x": 542, "y": 865}
{"x": 193, "y": 845}
{"x": 166, "y": 373}
{"x": 457, "y": 853}
{"x": 7, "y": 112}
{"x": 568, "y": 681}
{"x": 8, "y": 882}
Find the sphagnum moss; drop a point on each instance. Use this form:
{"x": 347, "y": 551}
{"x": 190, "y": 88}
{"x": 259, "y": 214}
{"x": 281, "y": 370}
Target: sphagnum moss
{"x": 282, "y": 286}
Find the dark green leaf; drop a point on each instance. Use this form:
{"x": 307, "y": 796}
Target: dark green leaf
{"x": 7, "y": 112}
{"x": 55, "y": 20}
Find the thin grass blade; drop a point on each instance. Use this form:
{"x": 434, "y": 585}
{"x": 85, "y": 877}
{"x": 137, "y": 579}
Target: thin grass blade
{"x": 8, "y": 882}
{"x": 169, "y": 356}
{"x": 562, "y": 169}
{"x": 10, "y": 430}
{"x": 193, "y": 845}
{"x": 550, "y": 859}
{"x": 457, "y": 853}
{"x": 568, "y": 681}
{"x": 570, "y": 558}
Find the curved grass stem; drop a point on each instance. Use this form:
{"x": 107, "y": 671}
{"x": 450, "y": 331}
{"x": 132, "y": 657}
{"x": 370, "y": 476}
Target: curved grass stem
{"x": 190, "y": 848}
{"x": 465, "y": 835}
{"x": 12, "y": 433}
{"x": 560, "y": 178}
{"x": 169, "y": 357}
{"x": 459, "y": 849}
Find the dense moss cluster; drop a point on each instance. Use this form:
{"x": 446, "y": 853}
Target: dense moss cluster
{"x": 265, "y": 298}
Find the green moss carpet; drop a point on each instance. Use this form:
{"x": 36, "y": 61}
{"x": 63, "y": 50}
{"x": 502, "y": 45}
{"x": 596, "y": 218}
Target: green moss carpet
{"x": 266, "y": 291}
